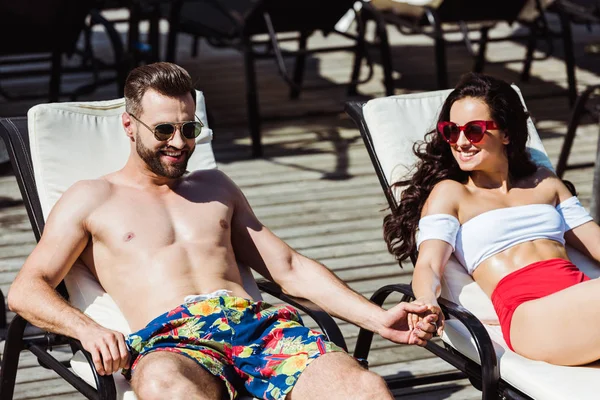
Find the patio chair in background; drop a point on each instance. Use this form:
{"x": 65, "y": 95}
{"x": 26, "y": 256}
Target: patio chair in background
{"x": 92, "y": 135}
{"x": 40, "y": 34}
{"x": 588, "y": 103}
{"x": 237, "y": 23}
{"x": 438, "y": 18}
{"x": 389, "y": 127}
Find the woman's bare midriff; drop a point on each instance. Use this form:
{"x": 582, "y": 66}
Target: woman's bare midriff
{"x": 491, "y": 271}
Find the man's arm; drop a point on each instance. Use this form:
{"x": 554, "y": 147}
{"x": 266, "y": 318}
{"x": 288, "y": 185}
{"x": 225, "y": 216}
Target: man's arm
{"x": 32, "y": 294}
{"x": 300, "y": 276}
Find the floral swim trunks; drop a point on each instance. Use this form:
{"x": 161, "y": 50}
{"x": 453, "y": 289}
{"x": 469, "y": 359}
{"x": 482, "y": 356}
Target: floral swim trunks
{"x": 247, "y": 344}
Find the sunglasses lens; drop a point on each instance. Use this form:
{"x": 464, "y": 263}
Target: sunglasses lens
{"x": 474, "y": 132}
{"x": 450, "y": 132}
{"x": 191, "y": 130}
{"x": 164, "y": 131}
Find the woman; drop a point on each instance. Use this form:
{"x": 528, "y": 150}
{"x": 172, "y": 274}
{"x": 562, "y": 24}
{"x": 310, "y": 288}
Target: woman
{"x": 477, "y": 194}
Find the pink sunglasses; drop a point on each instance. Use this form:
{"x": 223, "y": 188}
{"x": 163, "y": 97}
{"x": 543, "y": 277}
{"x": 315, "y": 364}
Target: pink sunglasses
{"x": 474, "y": 130}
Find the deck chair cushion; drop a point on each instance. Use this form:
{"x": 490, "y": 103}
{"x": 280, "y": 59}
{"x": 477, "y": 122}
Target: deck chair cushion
{"x": 395, "y": 123}
{"x": 85, "y": 140}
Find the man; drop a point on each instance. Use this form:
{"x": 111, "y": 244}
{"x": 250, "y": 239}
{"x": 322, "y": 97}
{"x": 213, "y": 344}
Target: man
{"x": 165, "y": 245}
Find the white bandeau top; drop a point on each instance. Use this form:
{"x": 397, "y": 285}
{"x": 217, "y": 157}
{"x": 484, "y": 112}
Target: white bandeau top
{"x": 496, "y": 230}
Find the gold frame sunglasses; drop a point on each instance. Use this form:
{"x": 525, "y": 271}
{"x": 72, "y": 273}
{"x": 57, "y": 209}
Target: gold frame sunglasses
{"x": 165, "y": 130}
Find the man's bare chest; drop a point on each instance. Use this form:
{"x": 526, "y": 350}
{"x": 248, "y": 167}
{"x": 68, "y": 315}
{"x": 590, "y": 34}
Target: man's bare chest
{"x": 129, "y": 222}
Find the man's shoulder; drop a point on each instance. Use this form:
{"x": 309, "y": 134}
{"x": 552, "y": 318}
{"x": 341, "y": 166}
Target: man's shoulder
{"x": 81, "y": 198}
{"x": 91, "y": 186}
{"x": 211, "y": 176}
{"x": 89, "y": 191}
{"x": 215, "y": 181}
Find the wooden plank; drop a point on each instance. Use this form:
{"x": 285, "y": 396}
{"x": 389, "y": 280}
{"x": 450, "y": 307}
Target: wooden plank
{"x": 43, "y": 388}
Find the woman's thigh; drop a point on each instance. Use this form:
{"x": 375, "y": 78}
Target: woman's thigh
{"x": 562, "y": 328}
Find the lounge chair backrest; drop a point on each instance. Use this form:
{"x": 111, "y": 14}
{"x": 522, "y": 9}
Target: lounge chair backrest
{"x": 395, "y": 123}
{"x": 85, "y": 140}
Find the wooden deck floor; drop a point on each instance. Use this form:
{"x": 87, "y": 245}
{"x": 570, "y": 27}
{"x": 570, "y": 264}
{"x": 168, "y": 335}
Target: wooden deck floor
{"x": 316, "y": 187}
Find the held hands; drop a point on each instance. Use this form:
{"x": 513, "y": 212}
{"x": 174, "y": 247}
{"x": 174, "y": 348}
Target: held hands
{"x": 396, "y": 326}
{"x": 107, "y": 347}
{"x": 432, "y": 308}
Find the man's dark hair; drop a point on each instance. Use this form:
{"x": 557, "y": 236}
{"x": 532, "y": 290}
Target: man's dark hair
{"x": 166, "y": 78}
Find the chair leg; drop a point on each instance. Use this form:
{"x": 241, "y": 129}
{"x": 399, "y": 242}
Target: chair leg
{"x": 531, "y": 44}
{"x": 440, "y": 56}
{"x": 483, "y": 41}
{"x": 567, "y": 39}
{"x": 133, "y": 34}
{"x": 10, "y": 360}
{"x": 384, "y": 47}
{"x": 55, "y": 75}
{"x": 578, "y": 111}
{"x": 195, "y": 42}
{"x": 252, "y": 99}
{"x": 358, "y": 52}
{"x": 174, "y": 14}
{"x": 299, "y": 66}
{"x": 154, "y": 35}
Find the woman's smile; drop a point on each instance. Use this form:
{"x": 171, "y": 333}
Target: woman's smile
{"x": 466, "y": 156}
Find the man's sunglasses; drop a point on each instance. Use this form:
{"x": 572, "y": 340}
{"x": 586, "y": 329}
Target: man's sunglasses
{"x": 474, "y": 130}
{"x": 165, "y": 131}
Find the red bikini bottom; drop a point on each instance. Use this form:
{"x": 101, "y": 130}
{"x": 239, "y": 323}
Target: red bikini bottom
{"x": 532, "y": 282}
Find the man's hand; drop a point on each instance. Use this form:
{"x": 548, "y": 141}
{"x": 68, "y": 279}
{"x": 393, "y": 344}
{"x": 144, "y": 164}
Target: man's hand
{"x": 432, "y": 308}
{"x": 107, "y": 347}
{"x": 396, "y": 327}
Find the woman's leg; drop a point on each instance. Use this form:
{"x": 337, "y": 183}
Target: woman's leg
{"x": 562, "y": 328}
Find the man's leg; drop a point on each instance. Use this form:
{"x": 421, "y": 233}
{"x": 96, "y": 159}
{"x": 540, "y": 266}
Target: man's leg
{"x": 338, "y": 376}
{"x": 165, "y": 375}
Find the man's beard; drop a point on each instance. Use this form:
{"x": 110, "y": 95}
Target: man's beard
{"x": 153, "y": 161}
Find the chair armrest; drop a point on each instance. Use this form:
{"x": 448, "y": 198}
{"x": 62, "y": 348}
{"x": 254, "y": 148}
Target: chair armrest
{"x": 105, "y": 384}
{"x": 489, "y": 373}
{"x": 324, "y": 320}
{"x": 38, "y": 343}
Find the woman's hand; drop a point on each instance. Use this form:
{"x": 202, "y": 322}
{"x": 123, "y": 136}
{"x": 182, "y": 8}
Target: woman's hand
{"x": 394, "y": 325}
{"x": 432, "y": 308}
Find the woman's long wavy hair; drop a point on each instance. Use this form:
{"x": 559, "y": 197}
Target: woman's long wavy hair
{"x": 436, "y": 162}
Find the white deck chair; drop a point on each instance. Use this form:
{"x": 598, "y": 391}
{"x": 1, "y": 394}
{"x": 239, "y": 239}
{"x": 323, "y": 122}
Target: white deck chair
{"x": 389, "y": 127}
{"x": 57, "y": 145}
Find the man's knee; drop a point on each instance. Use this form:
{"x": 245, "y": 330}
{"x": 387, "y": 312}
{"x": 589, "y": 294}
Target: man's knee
{"x": 365, "y": 385}
{"x": 155, "y": 379}
{"x": 356, "y": 381}
{"x": 372, "y": 385}
{"x": 169, "y": 376}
